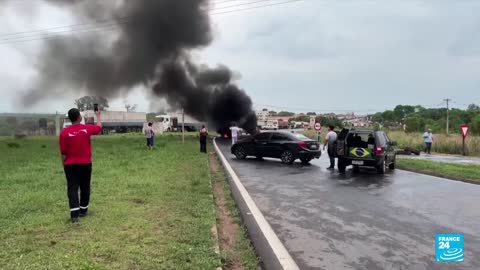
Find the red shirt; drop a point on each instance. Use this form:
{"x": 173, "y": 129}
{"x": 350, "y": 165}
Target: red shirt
{"x": 75, "y": 143}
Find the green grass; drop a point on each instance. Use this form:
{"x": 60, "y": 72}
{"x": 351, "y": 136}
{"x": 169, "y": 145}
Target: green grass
{"x": 442, "y": 169}
{"x": 243, "y": 249}
{"x": 149, "y": 210}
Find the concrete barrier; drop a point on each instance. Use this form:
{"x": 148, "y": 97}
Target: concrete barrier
{"x": 270, "y": 249}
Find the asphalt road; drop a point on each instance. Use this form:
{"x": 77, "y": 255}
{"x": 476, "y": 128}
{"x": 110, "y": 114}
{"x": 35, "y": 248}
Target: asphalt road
{"x": 361, "y": 221}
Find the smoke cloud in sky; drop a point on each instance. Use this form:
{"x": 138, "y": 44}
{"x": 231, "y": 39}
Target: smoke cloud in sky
{"x": 148, "y": 44}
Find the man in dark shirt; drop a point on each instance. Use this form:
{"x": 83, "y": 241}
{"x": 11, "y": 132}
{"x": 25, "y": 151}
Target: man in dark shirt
{"x": 76, "y": 151}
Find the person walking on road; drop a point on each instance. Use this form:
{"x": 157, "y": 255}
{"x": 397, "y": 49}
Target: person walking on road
{"x": 428, "y": 140}
{"x": 203, "y": 139}
{"x": 330, "y": 140}
{"x": 234, "y": 130}
{"x": 150, "y": 135}
{"x": 76, "y": 151}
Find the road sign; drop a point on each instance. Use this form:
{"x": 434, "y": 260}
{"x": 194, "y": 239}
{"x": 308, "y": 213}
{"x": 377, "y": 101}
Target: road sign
{"x": 318, "y": 127}
{"x": 464, "y": 129}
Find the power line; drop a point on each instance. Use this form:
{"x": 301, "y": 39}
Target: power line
{"x": 112, "y": 25}
{"x": 117, "y": 20}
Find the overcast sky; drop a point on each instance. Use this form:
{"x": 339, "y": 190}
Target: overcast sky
{"x": 322, "y": 55}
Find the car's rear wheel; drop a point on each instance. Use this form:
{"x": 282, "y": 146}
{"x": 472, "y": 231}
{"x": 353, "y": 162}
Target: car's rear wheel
{"x": 305, "y": 160}
{"x": 259, "y": 158}
{"x": 356, "y": 168}
{"x": 382, "y": 168}
{"x": 240, "y": 152}
{"x": 342, "y": 165}
{"x": 287, "y": 157}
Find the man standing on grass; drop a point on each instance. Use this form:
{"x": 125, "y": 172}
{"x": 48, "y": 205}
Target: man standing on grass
{"x": 76, "y": 151}
{"x": 330, "y": 142}
{"x": 150, "y": 135}
{"x": 428, "y": 140}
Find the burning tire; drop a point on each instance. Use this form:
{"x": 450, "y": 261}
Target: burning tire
{"x": 240, "y": 152}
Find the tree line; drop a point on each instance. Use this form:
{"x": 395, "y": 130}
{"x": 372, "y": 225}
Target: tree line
{"x": 418, "y": 118}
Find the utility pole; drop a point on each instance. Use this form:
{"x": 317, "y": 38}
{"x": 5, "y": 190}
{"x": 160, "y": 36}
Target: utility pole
{"x": 448, "y": 112}
{"x": 183, "y": 126}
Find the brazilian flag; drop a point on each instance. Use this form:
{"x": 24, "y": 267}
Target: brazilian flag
{"x": 360, "y": 152}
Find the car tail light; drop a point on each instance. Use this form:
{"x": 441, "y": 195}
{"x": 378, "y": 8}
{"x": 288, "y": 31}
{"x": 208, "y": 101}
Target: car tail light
{"x": 225, "y": 136}
{"x": 303, "y": 145}
{"x": 379, "y": 150}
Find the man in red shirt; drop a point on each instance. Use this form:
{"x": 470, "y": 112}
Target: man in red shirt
{"x": 76, "y": 153}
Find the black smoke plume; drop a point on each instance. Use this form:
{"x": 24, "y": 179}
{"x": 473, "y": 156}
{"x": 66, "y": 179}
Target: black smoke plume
{"x": 149, "y": 44}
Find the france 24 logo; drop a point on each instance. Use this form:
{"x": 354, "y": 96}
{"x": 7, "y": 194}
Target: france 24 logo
{"x": 449, "y": 247}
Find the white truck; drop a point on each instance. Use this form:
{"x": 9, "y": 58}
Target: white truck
{"x": 173, "y": 122}
{"x": 114, "y": 122}
{"x": 268, "y": 124}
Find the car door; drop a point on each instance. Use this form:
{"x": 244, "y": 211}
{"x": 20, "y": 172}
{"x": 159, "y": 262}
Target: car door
{"x": 390, "y": 149}
{"x": 260, "y": 143}
{"x": 276, "y": 145}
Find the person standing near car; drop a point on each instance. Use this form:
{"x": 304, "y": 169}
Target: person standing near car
{"x": 428, "y": 140}
{"x": 330, "y": 140}
{"x": 234, "y": 130}
{"x": 203, "y": 139}
{"x": 76, "y": 151}
{"x": 150, "y": 135}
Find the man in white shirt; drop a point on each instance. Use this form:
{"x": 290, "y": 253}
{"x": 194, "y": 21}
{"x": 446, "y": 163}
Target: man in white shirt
{"x": 428, "y": 140}
{"x": 330, "y": 142}
{"x": 235, "y": 130}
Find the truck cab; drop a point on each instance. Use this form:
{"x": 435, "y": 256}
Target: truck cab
{"x": 165, "y": 121}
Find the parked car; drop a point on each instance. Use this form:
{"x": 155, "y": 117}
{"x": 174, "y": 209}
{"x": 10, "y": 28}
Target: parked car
{"x": 275, "y": 144}
{"x": 365, "y": 148}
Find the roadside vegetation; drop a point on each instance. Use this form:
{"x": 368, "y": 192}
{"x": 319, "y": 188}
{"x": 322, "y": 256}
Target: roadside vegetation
{"x": 470, "y": 173}
{"x": 149, "y": 210}
{"x": 442, "y": 143}
{"x": 236, "y": 250}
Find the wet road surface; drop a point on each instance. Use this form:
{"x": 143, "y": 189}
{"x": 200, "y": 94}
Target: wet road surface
{"x": 361, "y": 221}
{"x": 447, "y": 158}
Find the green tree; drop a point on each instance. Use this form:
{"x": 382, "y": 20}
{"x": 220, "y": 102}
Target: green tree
{"x": 311, "y": 113}
{"x": 476, "y": 125}
{"x": 86, "y": 103}
{"x": 301, "y": 118}
{"x": 414, "y": 123}
{"x": 473, "y": 107}
{"x": 329, "y": 121}
{"x": 272, "y": 113}
{"x": 285, "y": 113}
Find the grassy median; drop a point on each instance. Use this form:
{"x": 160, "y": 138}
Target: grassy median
{"x": 148, "y": 210}
{"x": 469, "y": 173}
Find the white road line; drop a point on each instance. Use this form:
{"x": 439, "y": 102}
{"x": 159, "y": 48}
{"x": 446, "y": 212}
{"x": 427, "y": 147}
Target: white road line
{"x": 276, "y": 245}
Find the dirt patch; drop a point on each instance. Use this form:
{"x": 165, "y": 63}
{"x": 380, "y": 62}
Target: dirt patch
{"x": 138, "y": 201}
{"x": 227, "y": 228}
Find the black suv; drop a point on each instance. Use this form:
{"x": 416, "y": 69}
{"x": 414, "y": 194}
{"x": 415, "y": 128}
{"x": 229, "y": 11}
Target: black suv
{"x": 275, "y": 144}
{"x": 365, "y": 148}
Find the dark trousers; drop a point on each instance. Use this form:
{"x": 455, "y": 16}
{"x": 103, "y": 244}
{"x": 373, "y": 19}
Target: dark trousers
{"x": 78, "y": 176}
{"x": 331, "y": 155}
{"x": 203, "y": 144}
{"x": 428, "y": 147}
